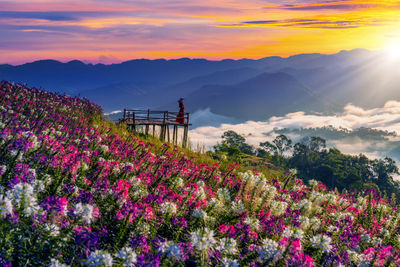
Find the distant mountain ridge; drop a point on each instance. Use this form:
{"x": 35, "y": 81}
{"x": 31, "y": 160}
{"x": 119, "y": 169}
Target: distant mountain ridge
{"x": 243, "y": 89}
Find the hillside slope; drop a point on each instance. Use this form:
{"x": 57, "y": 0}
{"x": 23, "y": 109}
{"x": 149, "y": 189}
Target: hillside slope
{"x": 75, "y": 190}
{"x": 258, "y": 98}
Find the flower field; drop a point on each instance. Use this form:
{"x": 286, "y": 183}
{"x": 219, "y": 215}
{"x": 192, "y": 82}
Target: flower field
{"x": 74, "y": 192}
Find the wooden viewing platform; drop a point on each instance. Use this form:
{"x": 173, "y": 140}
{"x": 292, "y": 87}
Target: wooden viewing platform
{"x": 164, "y": 119}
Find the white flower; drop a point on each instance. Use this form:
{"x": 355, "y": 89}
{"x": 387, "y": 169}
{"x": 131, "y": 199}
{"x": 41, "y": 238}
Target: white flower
{"x": 385, "y": 232}
{"x": 53, "y": 229}
{"x": 376, "y": 241}
{"x": 365, "y": 237}
{"x": 269, "y": 249}
{"x": 85, "y": 211}
{"x": 99, "y": 258}
{"x": 227, "y": 246}
{"x": 216, "y": 204}
{"x": 164, "y": 246}
{"x": 269, "y": 192}
{"x": 203, "y": 240}
{"x": 238, "y": 206}
{"x": 253, "y": 223}
{"x": 56, "y": 263}
{"x": 313, "y": 182}
{"x": 278, "y": 208}
{"x": 354, "y": 256}
{"x": 286, "y": 197}
{"x": 168, "y": 208}
{"x": 293, "y": 232}
{"x": 315, "y": 223}
{"x": 39, "y": 185}
{"x": 3, "y": 169}
{"x": 200, "y": 183}
{"x": 382, "y": 207}
{"x": 304, "y": 205}
{"x": 104, "y": 148}
{"x": 332, "y": 229}
{"x": 6, "y": 206}
{"x": 226, "y": 262}
{"x": 128, "y": 256}
{"x": 174, "y": 251}
{"x": 201, "y": 214}
{"x": 177, "y": 182}
{"x": 322, "y": 242}
{"x": 330, "y": 197}
{"x": 305, "y": 222}
{"x": 224, "y": 194}
{"x": 24, "y": 198}
{"x": 200, "y": 193}
{"x": 317, "y": 197}
{"x": 143, "y": 229}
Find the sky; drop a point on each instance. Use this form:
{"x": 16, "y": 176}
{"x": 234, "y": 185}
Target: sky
{"x": 109, "y": 31}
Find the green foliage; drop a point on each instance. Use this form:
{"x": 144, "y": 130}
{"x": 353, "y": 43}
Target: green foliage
{"x": 234, "y": 145}
{"x": 314, "y": 161}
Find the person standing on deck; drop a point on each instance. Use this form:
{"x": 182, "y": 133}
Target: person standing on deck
{"x": 180, "y": 118}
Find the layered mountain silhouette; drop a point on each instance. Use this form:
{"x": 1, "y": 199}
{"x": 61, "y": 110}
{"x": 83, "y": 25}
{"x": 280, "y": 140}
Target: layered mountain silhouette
{"x": 243, "y": 89}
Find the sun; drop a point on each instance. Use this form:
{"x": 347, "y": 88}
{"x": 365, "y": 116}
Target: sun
{"x": 392, "y": 50}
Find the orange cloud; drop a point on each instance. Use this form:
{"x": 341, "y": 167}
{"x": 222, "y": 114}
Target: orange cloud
{"x": 121, "y": 30}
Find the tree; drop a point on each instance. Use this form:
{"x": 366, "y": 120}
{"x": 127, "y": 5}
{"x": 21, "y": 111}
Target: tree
{"x": 234, "y": 143}
{"x": 314, "y": 143}
{"x": 282, "y": 143}
{"x": 269, "y": 148}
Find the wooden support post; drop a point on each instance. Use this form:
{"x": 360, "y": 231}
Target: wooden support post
{"x": 134, "y": 121}
{"x": 162, "y": 134}
{"x": 185, "y": 132}
{"x": 174, "y": 134}
{"x": 163, "y": 127}
{"x": 154, "y": 129}
{"x": 124, "y": 114}
{"x": 185, "y": 136}
{"x": 169, "y": 140}
{"x": 147, "y": 129}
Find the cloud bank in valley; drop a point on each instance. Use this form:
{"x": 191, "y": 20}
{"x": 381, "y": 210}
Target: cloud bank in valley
{"x": 352, "y": 117}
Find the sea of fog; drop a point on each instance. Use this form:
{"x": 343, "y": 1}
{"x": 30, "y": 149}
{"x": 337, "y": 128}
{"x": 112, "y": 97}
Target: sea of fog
{"x": 209, "y": 127}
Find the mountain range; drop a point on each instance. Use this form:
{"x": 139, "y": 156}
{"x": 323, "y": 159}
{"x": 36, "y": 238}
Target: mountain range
{"x": 245, "y": 89}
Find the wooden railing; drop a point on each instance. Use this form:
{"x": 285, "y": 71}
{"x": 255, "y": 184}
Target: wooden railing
{"x": 152, "y": 116}
{"x": 162, "y": 119}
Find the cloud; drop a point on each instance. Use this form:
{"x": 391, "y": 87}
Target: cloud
{"x": 316, "y": 23}
{"x": 352, "y": 117}
{"x": 325, "y": 5}
{"x": 344, "y": 5}
{"x": 60, "y": 15}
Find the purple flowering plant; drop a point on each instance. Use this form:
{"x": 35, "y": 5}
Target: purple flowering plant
{"x": 73, "y": 191}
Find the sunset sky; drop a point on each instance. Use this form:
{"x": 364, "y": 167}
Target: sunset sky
{"x": 113, "y": 31}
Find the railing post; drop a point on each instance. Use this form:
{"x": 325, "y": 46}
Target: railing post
{"x": 163, "y": 130}
{"x": 124, "y": 114}
{"x": 134, "y": 121}
{"x": 148, "y": 121}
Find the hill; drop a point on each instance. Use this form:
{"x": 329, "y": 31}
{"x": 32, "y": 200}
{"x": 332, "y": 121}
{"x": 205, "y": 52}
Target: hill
{"x": 77, "y": 190}
{"x": 364, "y": 78}
{"x": 258, "y": 98}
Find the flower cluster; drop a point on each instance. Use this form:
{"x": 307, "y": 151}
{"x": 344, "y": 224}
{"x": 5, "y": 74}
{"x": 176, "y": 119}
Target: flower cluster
{"x": 76, "y": 190}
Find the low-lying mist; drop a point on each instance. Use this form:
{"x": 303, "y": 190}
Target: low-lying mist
{"x": 349, "y": 131}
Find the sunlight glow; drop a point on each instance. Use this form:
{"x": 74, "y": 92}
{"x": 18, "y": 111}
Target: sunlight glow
{"x": 393, "y": 50}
